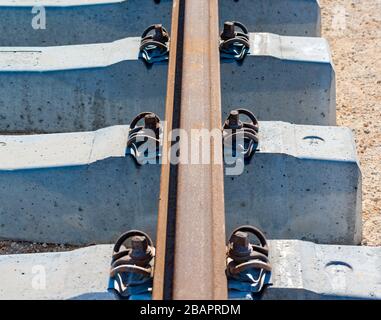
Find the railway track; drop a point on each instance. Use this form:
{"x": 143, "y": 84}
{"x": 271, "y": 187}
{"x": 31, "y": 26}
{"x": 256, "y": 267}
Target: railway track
{"x": 296, "y": 181}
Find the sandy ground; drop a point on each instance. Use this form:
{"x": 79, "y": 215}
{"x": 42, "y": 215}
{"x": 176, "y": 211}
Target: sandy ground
{"x": 353, "y": 29}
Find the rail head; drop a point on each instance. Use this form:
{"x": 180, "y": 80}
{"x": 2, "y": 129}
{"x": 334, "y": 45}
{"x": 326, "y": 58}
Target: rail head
{"x": 192, "y": 195}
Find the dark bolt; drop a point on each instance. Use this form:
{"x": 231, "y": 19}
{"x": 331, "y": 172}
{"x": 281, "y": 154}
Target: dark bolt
{"x": 229, "y": 31}
{"x": 240, "y": 247}
{"x": 151, "y": 122}
{"x": 139, "y": 245}
{"x": 160, "y": 35}
{"x": 233, "y": 120}
{"x": 240, "y": 240}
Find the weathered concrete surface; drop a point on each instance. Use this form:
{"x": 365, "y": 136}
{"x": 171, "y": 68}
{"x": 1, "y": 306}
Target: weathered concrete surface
{"x": 79, "y": 22}
{"x": 283, "y": 78}
{"x": 284, "y": 17}
{"x": 301, "y": 270}
{"x": 69, "y": 22}
{"x": 79, "y": 274}
{"x": 303, "y": 183}
{"x": 77, "y": 88}
{"x": 87, "y": 87}
{"x": 74, "y": 188}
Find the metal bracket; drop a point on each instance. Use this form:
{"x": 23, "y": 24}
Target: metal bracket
{"x": 234, "y": 44}
{"x": 239, "y": 136}
{"x": 131, "y": 270}
{"x": 248, "y": 266}
{"x": 144, "y": 140}
{"x": 154, "y": 46}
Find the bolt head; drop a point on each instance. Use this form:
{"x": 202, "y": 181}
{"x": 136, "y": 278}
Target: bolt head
{"x": 234, "y": 114}
{"x": 151, "y": 122}
{"x": 159, "y": 29}
{"x": 160, "y": 35}
{"x": 233, "y": 120}
{"x": 139, "y": 244}
{"x": 229, "y": 31}
{"x": 240, "y": 239}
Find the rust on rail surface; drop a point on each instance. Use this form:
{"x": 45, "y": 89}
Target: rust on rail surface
{"x": 191, "y": 228}
{"x": 163, "y": 272}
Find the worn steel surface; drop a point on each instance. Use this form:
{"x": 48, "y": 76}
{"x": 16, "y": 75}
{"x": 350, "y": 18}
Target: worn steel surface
{"x": 163, "y": 272}
{"x": 191, "y": 229}
{"x": 199, "y": 260}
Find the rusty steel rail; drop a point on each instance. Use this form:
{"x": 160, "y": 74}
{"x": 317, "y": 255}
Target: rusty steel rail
{"x": 163, "y": 271}
{"x": 190, "y": 259}
{"x": 200, "y": 217}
